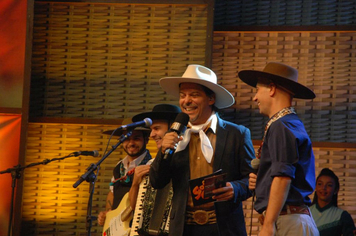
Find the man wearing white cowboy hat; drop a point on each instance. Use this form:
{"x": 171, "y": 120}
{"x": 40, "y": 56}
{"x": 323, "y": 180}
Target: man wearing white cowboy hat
{"x": 286, "y": 174}
{"x": 209, "y": 144}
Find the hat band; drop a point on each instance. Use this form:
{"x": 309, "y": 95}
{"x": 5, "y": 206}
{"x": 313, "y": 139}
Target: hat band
{"x": 286, "y": 90}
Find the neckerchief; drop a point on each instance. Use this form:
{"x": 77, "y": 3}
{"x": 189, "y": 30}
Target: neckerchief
{"x": 127, "y": 178}
{"x": 206, "y": 147}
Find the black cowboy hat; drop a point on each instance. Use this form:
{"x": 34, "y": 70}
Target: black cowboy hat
{"x": 127, "y": 121}
{"x": 159, "y": 112}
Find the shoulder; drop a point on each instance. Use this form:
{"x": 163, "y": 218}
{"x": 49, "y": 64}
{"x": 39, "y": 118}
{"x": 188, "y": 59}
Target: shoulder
{"x": 231, "y": 126}
{"x": 233, "y": 130}
{"x": 289, "y": 121}
{"x": 287, "y": 124}
{"x": 345, "y": 214}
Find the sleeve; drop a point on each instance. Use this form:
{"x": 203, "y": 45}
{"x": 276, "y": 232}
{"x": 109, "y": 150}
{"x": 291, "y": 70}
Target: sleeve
{"x": 245, "y": 155}
{"x": 159, "y": 173}
{"x": 283, "y": 149}
{"x": 348, "y": 225}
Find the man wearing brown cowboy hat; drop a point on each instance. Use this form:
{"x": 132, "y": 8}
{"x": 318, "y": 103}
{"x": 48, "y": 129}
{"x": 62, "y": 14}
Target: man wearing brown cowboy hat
{"x": 286, "y": 174}
{"x": 209, "y": 144}
{"x": 137, "y": 154}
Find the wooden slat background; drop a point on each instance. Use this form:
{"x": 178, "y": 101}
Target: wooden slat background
{"x": 103, "y": 61}
{"x": 285, "y": 13}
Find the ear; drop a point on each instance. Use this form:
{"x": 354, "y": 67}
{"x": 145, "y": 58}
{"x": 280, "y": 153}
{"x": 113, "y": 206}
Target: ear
{"x": 272, "y": 89}
{"x": 212, "y": 99}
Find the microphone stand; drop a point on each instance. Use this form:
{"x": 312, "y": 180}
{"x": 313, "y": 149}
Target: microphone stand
{"x": 16, "y": 174}
{"x": 90, "y": 177}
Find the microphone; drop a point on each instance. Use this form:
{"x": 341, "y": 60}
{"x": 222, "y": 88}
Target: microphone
{"x": 94, "y": 153}
{"x": 147, "y": 122}
{"x": 179, "y": 126}
{"x": 255, "y": 163}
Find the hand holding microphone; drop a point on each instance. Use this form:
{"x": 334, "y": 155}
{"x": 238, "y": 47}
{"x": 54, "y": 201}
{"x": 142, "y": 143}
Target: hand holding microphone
{"x": 179, "y": 126}
{"x": 255, "y": 163}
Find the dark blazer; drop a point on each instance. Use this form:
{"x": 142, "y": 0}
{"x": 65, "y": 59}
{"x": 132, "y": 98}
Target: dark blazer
{"x": 233, "y": 154}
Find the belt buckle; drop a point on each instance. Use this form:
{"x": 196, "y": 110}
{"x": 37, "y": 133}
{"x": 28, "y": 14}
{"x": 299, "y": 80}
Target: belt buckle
{"x": 201, "y": 217}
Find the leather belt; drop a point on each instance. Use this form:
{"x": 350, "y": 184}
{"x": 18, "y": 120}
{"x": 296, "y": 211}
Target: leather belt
{"x": 200, "y": 217}
{"x": 288, "y": 209}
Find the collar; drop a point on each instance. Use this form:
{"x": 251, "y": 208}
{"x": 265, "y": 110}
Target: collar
{"x": 214, "y": 122}
{"x": 129, "y": 166}
{"x": 211, "y": 123}
{"x": 321, "y": 209}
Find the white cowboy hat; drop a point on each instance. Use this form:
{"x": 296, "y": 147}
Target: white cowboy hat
{"x": 281, "y": 74}
{"x": 200, "y": 75}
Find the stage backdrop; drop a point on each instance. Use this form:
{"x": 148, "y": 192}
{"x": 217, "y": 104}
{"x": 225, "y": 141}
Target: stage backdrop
{"x": 12, "y": 51}
{"x": 12, "y": 55}
{"x": 10, "y": 126}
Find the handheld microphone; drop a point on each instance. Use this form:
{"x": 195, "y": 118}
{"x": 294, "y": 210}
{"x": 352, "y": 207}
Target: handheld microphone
{"x": 94, "y": 153}
{"x": 147, "y": 122}
{"x": 179, "y": 126}
{"x": 255, "y": 164}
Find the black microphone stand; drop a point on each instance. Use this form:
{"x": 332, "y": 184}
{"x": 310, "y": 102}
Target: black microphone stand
{"x": 90, "y": 177}
{"x": 16, "y": 174}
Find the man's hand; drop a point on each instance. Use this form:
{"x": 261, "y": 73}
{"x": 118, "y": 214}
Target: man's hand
{"x": 252, "y": 181}
{"x": 170, "y": 141}
{"x": 102, "y": 218}
{"x": 224, "y": 193}
{"x": 140, "y": 172}
{"x": 268, "y": 230}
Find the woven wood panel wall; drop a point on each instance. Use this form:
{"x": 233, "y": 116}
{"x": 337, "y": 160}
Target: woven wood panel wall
{"x": 51, "y": 206}
{"x": 279, "y": 13}
{"x": 326, "y": 62}
{"x": 105, "y": 60}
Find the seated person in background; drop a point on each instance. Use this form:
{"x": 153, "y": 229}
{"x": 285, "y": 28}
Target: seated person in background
{"x": 330, "y": 220}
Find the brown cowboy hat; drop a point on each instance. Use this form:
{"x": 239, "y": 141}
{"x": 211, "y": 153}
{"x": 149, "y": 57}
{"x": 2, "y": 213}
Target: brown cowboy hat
{"x": 282, "y": 75}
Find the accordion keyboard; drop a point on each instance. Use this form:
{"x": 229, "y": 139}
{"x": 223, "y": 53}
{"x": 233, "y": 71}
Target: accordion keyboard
{"x": 152, "y": 211}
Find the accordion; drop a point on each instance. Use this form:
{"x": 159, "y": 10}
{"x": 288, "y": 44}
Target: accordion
{"x": 152, "y": 211}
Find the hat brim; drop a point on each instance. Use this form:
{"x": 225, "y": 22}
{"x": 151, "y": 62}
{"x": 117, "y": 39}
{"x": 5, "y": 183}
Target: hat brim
{"x": 155, "y": 116}
{"x": 250, "y": 77}
{"x": 223, "y": 98}
{"x": 119, "y": 132}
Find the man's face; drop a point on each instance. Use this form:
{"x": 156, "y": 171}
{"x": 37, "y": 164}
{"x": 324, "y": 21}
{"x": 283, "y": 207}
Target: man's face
{"x": 262, "y": 98}
{"x": 195, "y": 102}
{"x": 158, "y": 130}
{"x": 135, "y": 145}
